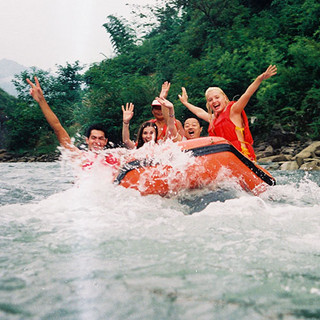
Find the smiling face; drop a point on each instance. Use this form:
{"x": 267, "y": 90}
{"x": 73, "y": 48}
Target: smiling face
{"x": 157, "y": 113}
{"x": 97, "y": 140}
{"x": 148, "y": 134}
{"x": 192, "y": 128}
{"x": 216, "y": 100}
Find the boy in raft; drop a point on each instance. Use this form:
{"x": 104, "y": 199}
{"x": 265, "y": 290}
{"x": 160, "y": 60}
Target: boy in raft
{"x": 226, "y": 118}
{"x": 96, "y": 136}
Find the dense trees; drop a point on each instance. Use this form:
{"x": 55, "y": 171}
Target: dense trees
{"x": 195, "y": 44}
{"x": 205, "y": 43}
{"x": 7, "y": 102}
{"x": 26, "y": 125}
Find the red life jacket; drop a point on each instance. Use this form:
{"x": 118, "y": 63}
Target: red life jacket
{"x": 223, "y": 127}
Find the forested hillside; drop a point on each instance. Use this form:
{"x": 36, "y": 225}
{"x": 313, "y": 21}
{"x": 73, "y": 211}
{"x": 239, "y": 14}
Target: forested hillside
{"x": 195, "y": 44}
{"x": 7, "y": 102}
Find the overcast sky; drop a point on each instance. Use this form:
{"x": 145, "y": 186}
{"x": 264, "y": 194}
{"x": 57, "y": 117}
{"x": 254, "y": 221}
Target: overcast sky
{"x": 43, "y": 33}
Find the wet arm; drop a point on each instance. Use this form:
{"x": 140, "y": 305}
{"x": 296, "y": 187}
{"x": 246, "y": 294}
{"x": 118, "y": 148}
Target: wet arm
{"x": 180, "y": 128}
{"x": 172, "y": 131}
{"x": 60, "y": 132}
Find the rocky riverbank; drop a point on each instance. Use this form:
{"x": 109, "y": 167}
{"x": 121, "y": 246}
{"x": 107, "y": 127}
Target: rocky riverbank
{"x": 6, "y": 156}
{"x": 295, "y": 155}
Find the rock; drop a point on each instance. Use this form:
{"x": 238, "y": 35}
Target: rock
{"x": 276, "y": 158}
{"x": 279, "y": 137}
{"x": 267, "y": 152}
{"x": 266, "y": 159}
{"x": 273, "y": 166}
{"x": 288, "y": 150}
{"x": 4, "y": 157}
{"x": 282, "y": 157}
{"x": 308, "y": 152}
{"x": 261, "y": 146}
{"x": 8, "y": 157}
{"x": 289, "y": 165}
{"x": 311, "y": 165}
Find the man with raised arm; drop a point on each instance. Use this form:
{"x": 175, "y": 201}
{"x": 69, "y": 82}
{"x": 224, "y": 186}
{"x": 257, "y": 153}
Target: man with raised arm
{"x": 95, "y": 137}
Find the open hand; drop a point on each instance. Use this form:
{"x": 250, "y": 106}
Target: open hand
{"x": 165, "y": 89}
{"x": 165, "y": 103}
{"x": 271, "y": 71}
{"x": 127, "y": 112}
{"x": 183, "y": 97}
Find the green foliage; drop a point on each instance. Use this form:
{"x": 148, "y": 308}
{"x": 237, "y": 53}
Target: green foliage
{"x": 109, "y": 90}
{"x": 195, "y": 44}
{"x": 7, "y": 103}
{"x": 6, "y": 100}
{"x": 27, "y": 127}
{"x": 122, "y": 36}
{"x": 198, "y": 44}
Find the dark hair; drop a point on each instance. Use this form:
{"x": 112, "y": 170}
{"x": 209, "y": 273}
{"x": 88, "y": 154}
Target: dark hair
{"x": 194, "y": 119}
{"x": 96, "y": 126}
{"x": 140, "y": 141}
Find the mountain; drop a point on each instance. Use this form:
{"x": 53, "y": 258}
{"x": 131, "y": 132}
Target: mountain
{"x": 8, "y": 69}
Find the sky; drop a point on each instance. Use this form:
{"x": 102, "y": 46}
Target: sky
{"x": 44, "y": 33}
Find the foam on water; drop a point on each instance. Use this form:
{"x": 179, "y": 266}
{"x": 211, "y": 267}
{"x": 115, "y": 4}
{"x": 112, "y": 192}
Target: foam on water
{"x": 93, "y": 250}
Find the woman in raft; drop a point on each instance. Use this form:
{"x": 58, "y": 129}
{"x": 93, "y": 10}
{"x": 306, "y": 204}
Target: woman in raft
{"x": 148, "y": 131}
{"x": 226, "y": 118}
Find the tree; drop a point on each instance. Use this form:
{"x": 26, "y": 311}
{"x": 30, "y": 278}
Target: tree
{"x": 122, "y": 36}
{"x": 27, "y": 127}
{"x": 7, "y": 103}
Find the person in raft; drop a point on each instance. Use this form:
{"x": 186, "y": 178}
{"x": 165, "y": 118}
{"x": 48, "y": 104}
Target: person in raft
{"x": 95, "y": 138}
{"x": 192, "y": 129}
{"x": 161, "y": 114}
{"x": 226, "y": 118}
{"x": 148, "y": 131}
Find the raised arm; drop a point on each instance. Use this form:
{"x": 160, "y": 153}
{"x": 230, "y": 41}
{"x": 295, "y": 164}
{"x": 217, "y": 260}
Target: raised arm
{"x": 60, "y": 132}
{"x": 244, "y": 99}
{"x": 127, "y": 116}
{"x": 165, "y": 90}
{"x": 172, "y": 131}
{"x": 199, "y": 112}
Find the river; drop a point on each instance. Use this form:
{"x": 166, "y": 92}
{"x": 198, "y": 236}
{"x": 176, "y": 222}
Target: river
{"x": 92, "y": 250}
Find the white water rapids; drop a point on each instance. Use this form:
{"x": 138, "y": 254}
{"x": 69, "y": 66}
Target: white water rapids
{"x": 93, "y": 250}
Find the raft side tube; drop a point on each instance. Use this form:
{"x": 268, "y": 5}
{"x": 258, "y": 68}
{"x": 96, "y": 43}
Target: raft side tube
{"x": 217, "y": 148}
{"x": 198, "y": 152}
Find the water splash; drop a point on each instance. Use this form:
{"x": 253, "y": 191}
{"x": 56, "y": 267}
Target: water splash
{"x": 92, "y": 249}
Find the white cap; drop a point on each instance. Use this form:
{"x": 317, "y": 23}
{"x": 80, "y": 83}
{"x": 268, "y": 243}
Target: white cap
{"x": 155, "y": 103}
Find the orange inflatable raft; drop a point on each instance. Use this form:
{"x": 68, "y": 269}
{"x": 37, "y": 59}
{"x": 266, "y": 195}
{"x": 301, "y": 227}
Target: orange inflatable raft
{"x": 215, "y": 160}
